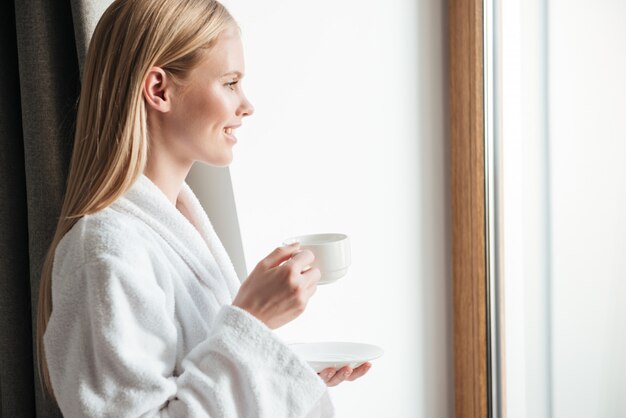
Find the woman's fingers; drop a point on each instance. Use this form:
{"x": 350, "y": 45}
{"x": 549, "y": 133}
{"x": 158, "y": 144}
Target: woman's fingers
{"x": 359, "y": 371}
{"x": 301, "y": 259}
{"x": 332, "y": 377}
{"x": 327, "y": 374}
{"x": 341, "y": 375}
{"x": 311, "y": 278}
{"x": 279, "y": 255}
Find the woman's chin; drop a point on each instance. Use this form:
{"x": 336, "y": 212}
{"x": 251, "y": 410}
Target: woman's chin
{"x": 218, "y": 161}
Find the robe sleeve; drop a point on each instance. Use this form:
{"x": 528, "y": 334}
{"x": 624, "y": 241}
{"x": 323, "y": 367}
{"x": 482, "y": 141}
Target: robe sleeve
{"x": 111, "y": 346}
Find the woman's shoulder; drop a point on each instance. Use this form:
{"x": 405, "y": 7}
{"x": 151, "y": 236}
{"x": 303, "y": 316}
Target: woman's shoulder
{"x": 107, "y": 233}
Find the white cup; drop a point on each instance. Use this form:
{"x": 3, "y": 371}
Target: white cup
{"x": 332, "y": 254}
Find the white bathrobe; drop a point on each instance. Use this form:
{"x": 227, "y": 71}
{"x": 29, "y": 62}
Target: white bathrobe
{"x": 142, "y": 323}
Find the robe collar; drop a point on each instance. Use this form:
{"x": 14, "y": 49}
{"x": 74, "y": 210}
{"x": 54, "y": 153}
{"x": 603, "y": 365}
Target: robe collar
{"x": 193, "y": 239}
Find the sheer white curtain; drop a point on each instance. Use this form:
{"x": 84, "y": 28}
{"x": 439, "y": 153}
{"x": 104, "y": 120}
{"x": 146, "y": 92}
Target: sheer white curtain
{"x": 564, "y": 176}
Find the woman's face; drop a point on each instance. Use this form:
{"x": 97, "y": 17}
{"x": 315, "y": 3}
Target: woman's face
{"x": 210, "y": 106}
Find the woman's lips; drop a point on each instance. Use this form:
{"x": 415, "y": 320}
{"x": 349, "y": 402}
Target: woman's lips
{"x": 228, "y": 132}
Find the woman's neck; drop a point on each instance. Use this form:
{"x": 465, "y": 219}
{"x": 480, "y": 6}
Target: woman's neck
{"x": 166, "y": 174}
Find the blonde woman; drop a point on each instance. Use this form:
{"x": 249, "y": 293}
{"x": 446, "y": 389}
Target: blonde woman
{"x": 140, "y": 311}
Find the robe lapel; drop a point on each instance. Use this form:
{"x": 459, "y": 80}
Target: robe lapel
{"x": 189, "y": 199}
{"x": 198, "y": 249}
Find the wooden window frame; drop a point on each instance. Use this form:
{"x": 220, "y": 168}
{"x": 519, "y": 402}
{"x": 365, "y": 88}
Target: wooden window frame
{"x": 467, "y": 159}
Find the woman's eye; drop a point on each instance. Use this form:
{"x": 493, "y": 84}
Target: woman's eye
{"x": 231, "y": 85}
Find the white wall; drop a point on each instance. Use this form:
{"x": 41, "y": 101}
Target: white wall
{"x": 350, "y": 135}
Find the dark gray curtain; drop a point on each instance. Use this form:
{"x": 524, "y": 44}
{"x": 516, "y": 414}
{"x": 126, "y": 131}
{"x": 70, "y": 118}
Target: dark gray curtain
{"x": 39, "y": 78}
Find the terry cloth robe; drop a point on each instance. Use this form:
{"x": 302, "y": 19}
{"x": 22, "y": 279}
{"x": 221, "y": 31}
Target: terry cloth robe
{"x": 142, "y": 323}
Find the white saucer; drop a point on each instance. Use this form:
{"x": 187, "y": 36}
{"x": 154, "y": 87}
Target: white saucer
{"x": 336, "y": 354}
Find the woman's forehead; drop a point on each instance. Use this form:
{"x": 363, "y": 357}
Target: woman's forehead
{"x": 225, "y": 57}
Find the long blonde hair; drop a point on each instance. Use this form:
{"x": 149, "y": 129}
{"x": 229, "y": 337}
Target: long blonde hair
{"x": 111, "y": 138}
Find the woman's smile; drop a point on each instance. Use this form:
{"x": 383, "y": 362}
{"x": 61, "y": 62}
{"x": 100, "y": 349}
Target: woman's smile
{"x": 228, "y": 132}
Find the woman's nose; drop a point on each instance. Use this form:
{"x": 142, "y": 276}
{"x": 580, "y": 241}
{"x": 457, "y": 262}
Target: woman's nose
{"x": 246, "y": 108}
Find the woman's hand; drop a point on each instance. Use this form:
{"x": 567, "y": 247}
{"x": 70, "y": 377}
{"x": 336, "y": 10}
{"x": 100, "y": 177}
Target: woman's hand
{"x": 332, "y": 377}
{"x": 278, "y": 290}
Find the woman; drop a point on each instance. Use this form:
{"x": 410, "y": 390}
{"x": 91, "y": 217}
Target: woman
{"x": 140, "y": 312}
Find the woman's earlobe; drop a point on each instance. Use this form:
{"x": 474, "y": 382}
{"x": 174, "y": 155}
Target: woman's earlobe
{"x": 155, "y": 90}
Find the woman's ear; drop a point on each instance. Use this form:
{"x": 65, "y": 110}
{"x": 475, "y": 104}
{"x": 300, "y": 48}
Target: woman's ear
{"x": 156, "y": 90}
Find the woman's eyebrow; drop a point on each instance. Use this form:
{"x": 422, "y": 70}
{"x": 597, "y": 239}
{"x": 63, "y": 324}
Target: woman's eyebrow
{"x": 237, "y": 73}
